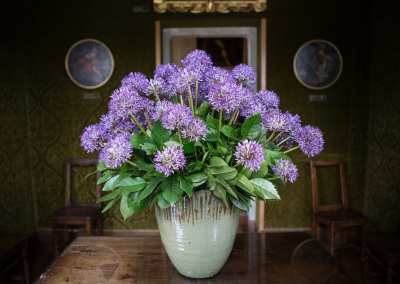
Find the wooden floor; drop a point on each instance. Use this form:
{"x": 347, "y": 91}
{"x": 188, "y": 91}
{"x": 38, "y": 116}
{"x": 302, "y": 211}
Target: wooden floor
{"x": 41, "y": 255}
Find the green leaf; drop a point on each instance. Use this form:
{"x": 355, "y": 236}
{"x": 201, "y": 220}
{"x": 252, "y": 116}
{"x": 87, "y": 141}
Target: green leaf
{"x": 104, "y": 178}
{"x": 226, "y": 186}
{"x": 199, "y": 165}
{"x": 212, "y": 136}
{"x": 212, "y": 123}
{"x": 188, "y": 148}
{"x": 150, "y": 187}
{"x": 245, "y": 184}
{"x": 101, "y": 166}
{"x": 110, "y": 196}
{"x": 265, "y": 189}
{"x": 109, "y": 205}
{"x": 149, "y": 148}
{"x": 126, "y": 211}
{"x": 171, "y": 189}
{"x": 111, "y": 183}
{"x": 137, "y": 140}
{"x": 135, "y": 204}
{"x": 133, "y": 184}
{"x": 201, "y": 111}
{"x": 241, "y": 204}
{"x": 220, "y": 192}
{"x": 145, "y": 166}
{"x": 271, "y": 146}
{"x": 217, "y": 162}
{"x": 224, "y": 172}
{"x": 186, "y": 185}
{"x": 172, "y": 143}
{"x": 246, "y": 172}
{"x": 229, "y": 132}
{"x": 250, "y": 123}
{"x": 255, "y": 131}
{"x": 262, "y": 172}
{"x": 196, "y": 177}
{"x": 162, "y": 202}
{"x": 211, "y": 180}
{"x": 159, "y": 134}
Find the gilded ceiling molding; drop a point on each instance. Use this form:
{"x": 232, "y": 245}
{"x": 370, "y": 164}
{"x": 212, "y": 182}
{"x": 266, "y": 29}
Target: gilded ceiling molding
{"x": 209, "y": 6}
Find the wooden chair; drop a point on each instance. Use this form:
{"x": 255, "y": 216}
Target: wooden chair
{"x": 77, "y": 214}
{"x": 335, "y": 216}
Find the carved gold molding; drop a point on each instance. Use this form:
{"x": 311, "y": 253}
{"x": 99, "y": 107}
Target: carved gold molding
{"x": 209, "y": 6}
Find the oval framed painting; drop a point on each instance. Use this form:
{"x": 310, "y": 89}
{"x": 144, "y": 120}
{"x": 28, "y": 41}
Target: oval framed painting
{"x": 318, "y": 64}
{"x": 89, "y": 63}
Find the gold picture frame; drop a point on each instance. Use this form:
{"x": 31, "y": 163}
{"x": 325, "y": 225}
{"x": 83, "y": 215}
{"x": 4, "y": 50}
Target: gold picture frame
{"x": 89, "y": 63}
{"x": 317, "y": 64}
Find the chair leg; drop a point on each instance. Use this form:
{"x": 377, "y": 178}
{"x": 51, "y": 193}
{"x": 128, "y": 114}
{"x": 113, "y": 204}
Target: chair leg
{"x": 314, "y": 227}
{"x": 88, "y": 228}
{"x": 332, "y": 239}
{"x": 100, "y": 226}
{"x": 56, "y": 251}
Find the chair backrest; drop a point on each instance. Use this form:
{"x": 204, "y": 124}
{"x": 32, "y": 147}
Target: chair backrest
{"x": 333, "y": 163}
{"x": 82, "y": 162}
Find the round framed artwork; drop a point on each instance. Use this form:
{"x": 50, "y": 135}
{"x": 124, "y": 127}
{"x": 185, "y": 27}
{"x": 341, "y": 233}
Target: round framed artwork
{"x": 318, "y": 64}
{"x": 89, "y": 63}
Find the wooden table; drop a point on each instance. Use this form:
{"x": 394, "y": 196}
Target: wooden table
{"x": 255, "y": 258}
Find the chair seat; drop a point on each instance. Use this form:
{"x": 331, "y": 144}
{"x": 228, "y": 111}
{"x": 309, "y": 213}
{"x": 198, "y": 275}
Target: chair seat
{"x": 338, "y": 216}
{"x": 77, "y": 213}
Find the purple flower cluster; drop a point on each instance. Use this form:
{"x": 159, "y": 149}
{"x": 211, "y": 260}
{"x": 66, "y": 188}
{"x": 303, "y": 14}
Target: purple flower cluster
{"x": 310, "y": 140}
{"x": 268, "y": 99}
{"x": 225, "y": 96}
{"x": 176, "y": 115}
{"x": 136, "y": 81}
{"x": 197, "y": 63}
{"x": 170, "y": 159}
{"x": 244, "y": 75}
{"x": 250, "y": 153}
{"x": 195, "y": 130}
{"x": 117, "y": 150}
{"x": 285, "y": 170}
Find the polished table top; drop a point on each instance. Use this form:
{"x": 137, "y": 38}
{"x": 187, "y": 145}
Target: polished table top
{"x": 255, "y": 258}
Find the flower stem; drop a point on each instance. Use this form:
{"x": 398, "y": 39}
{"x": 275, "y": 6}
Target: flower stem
{"x": 191, "y": 101}
{"x": 219, "y": 127}
{"x": 283, "y": 141}
{"x": 269, "y": 138}
{"x": 197, "y": 91}
{"x": 148, "y": 121}
{"x": 277, "y": 136}
{"x": 138, "y": 124}
{"x": 233, "y": 114}
{"x": 133, "y": 164}
{"x": 180, "y": 96}
{"x": 180, "y": 135}
{"x": 290, "y": 150}
{"x": 237, "y": 165}
{"x": 158, "y": 98}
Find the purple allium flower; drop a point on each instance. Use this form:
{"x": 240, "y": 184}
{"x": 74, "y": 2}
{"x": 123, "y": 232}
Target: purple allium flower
{"x": 160, "y": 108}
{"x": 250, "y": 153}
{"x": 181, "y": 81}
{"x": 156, "y": 86}
{"x": 250, "y": 105}
{"x": 195, "y": 129}
{"x": 197, "y": 63}
{"x": 268, "y": 99}
{"x": 275, "y": 120}
{"x": 136, "y": 81}
{"x": 127, "y": 126}
{"x": 177, "y": 115}
{"x": 244, "y": 75}
{"x": 165, "y": 70}
{"x": 109, "y": 122}
{"x": 117, "y": 150}
{"x": 170, "y": 159}
{"x": 218, "y": 75}
{"x": 225, "y": 96}
{"x": 310, "y": 140}
{"x": 91, "y": 138}
{"x": 286, "y": 170}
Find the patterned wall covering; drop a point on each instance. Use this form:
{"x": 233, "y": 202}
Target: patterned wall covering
{"x": 382, "y": 196}
{"x": 48, "y": 112}
{"x": 17, "y": 209}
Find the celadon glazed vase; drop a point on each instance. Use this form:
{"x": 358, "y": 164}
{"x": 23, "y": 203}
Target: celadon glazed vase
{"x": 198, "y": 239}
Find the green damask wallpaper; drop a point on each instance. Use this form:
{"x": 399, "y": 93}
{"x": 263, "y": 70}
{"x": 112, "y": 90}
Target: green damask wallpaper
{"x": 43, "y": 113}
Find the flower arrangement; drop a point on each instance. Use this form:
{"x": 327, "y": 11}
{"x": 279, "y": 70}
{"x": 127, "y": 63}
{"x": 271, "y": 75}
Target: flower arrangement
{"x": 193, "y": 128}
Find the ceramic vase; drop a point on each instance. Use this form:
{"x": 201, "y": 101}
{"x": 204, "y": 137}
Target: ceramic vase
{"x": 199, "y": 238}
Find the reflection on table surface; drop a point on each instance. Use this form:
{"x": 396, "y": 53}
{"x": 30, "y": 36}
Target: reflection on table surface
{"x": 255, "y": 258}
